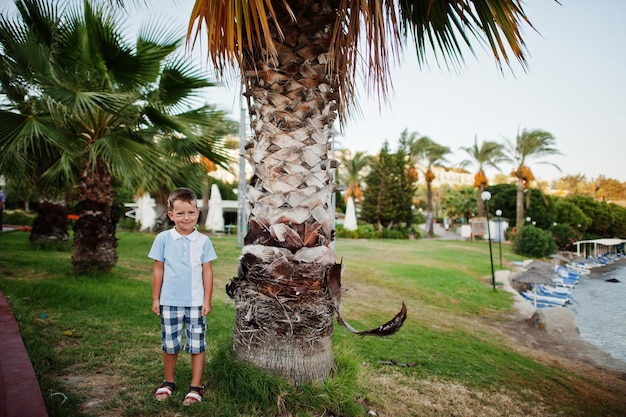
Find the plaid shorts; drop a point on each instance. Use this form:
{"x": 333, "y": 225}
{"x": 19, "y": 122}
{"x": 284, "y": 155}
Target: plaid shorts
{"x": 172, "y": 319}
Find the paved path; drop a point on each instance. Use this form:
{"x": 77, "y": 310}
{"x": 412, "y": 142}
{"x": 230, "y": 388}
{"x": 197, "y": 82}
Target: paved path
{"x": 442, "y": 233}
{"x": 20, "y": 395}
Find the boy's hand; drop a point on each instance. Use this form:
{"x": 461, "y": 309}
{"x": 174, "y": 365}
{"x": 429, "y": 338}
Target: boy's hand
{"x": 156, "y": 307}
{"x": 206, "y": 308}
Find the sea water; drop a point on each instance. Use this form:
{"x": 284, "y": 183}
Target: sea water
{"x": 600, "y": 308}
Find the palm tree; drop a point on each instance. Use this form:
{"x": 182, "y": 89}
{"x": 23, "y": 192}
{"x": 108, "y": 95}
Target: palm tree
{"x": 487, "y": 154}
{"x": 89, "y": 106}
{"x": 529, "y": 145}
{"x": 190, "y": 158}
{"x": 353, "y": 166}
{"x": 298, "y": 61}
{"x": 351, "y": 175}
{"x": 429, "y": 154}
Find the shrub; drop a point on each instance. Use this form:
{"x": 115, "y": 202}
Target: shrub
{"x": 400, "y": 233}
{"x": 362, "y": 232}
{"x": 18, "y": 218}
{"x": 367, "y": 231}
{"x": 535, "y": 242}
{"x": 565, "y": 236}
{"x": 129, "y": 224}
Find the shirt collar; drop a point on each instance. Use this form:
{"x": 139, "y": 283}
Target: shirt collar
{"x": 191, "y": 236}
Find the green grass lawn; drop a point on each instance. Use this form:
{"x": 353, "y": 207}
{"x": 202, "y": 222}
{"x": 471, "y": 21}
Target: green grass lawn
{"x": 95, "y": 341}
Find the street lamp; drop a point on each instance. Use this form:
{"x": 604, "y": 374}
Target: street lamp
{"x": 486, "y": 196}
{"x": 499, "y": 214}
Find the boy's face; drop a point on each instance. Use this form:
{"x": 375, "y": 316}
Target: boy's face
{"x": 184, "y": 215}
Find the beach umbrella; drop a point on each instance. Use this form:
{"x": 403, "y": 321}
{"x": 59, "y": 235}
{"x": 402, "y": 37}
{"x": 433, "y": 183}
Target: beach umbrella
{"x": 349, "y": 222}
{"x": 540, "y": 266}
{"x": 560, "y": 257}
{"x": 536, "y": 275}
{"x": 215, "y": 218}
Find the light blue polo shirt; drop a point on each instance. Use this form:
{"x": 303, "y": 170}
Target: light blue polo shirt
{"x": 183, "y": 257}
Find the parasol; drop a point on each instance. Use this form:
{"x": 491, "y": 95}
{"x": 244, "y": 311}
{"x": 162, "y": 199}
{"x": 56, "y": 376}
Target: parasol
{"x": 350, "y": 221}
{"x": 215, "y": 219}
{"x": 560, "y": 257}
{"x": 535, "y": 275}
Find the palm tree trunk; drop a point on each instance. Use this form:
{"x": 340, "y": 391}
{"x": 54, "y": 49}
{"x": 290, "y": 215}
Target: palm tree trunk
{"x": 520, "y": 203}
{"x": 50, "y": 225}
{"x": 161, "y": 220}
{"x": 95, "y": 244}
{"x": 284, "y": 315}
{"x": 204, "y": 212}
{"x": 429, "y": 210}
{"x": 480, "y": 202}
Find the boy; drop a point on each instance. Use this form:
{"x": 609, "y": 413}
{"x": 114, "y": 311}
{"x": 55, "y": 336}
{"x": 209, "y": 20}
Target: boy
{"x": 182, "y": 286}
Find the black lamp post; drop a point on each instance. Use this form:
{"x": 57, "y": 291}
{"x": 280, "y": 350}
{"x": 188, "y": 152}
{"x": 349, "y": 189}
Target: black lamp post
{"x": 499, "y": 214}
{"x": 486, "y": 196}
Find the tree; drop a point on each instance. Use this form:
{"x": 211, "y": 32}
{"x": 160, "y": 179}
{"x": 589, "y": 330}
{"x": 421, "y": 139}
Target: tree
{"x": 86, "y": 107}
{"x": 503, "y": 198}
{"x": 574, "y": 184}
{"x": 608, "y": 189}
{"x": 529, "y": 145}
{"x": 428, "y": 154}
{"x": 571, "y": 215}
{"x": 299, "y": 60}
{"x": 487, "y": 154}
{"x": 541, "y": 208}
{"x": 190, "y": 158}
{"x": 391, "y": 185}
{"x": 351, "y": 174}
{"x": 460, "y": 203}
{"x": 602, "y": 216}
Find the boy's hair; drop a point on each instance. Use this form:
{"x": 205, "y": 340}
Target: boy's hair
{"x": 181, "y": 194}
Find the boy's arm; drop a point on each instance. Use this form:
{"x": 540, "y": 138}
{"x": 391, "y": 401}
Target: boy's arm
{"x": 207, "y": 282}
{"x": 157, "y": 283}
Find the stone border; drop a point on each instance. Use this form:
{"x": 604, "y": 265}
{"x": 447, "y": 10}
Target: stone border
{"x": 20, "y": 395}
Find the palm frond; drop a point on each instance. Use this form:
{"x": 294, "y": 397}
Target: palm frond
{"x": 233, "y": 26}
{"x": 126, "y": 155}
{"x": 367, "y": 36}
{"x": 375, "y": 23}
{"x": 41, "y": 17}
{"x": 179, "y": 84}
{"x": 532, "y": 145}
{"x": 441, "y": 23}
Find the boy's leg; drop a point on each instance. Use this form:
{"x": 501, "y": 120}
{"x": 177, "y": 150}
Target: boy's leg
{"x": 171, "y": 338}
{"x": 197, "y": 369}
{"x": 196, "y": 389}
{"x": 169, "y": 366}
{"x": 195, "y": 327}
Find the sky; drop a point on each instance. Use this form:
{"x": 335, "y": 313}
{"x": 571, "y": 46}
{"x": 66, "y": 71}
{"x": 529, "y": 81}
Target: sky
{"x": 574, "y": 88}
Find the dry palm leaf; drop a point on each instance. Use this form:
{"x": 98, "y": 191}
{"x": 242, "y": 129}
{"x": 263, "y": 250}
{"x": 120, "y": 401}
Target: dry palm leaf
{"x": 334, "y": 288}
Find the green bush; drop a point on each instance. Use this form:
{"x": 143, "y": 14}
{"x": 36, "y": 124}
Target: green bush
{"x": 368, "y": 231}
{"x": 362, "y": 232}
{"x": 400, "y": 233}
{"x": 18, "y": 218}
{"x": 533, "y": 241}
{"x": 129, "y": 224}
{"x": 565, "y": 236}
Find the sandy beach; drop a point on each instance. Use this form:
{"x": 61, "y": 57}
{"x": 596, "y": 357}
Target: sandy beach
{"x": 551, "y": 336}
